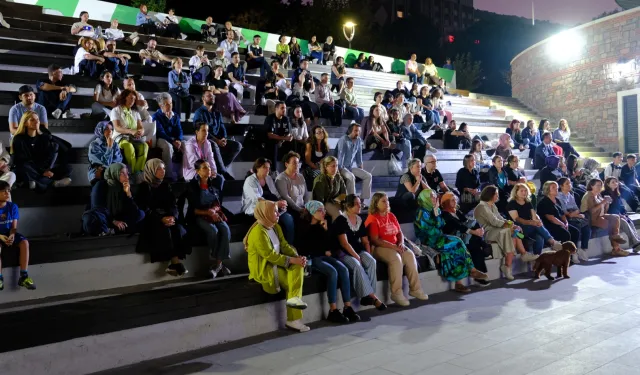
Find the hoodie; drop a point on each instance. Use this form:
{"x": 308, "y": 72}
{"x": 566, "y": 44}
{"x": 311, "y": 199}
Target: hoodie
{"x": 99, "y": 154}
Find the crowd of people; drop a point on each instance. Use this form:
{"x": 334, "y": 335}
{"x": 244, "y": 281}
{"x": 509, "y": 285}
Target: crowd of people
{"x": 308, "y": 216}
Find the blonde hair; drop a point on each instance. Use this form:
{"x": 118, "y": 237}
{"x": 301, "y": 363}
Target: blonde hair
{"x": 375, "y": 199}
{"x": 22, "y": 126}
{"x": 547, "y": 186}
{"x": 516, "y": 188}
{"x": 325, "y": 162}
{"x": 174, "y": 61}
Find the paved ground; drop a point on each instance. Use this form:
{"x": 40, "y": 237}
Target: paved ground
{"x": 589, "y": 324}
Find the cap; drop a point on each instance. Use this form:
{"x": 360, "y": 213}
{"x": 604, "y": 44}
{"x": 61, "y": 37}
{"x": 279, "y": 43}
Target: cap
{"x": 25, "y": 89}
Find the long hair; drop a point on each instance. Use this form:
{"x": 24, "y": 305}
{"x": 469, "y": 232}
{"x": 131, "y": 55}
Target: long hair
{"x": 297, "y": 122}
{"x": 615, "y": 194}
{"x": 541, "y": 125}
{"x": 325, "y": 162}
{"x": 474, "y": 145}
{"x": 112, "y": 88}
{"x": 376, "y": 121}
{"x": 375, "y": 199}
{"x": 122, "y": 99}
{"x": 324, "y": 145}
{"x": 22, "y": 126}
{"x": 518, "y": 187}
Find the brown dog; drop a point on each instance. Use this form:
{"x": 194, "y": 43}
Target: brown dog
{"x": 560, "y": 259}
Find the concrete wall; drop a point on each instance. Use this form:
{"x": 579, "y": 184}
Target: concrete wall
{"x": 577, "y": 75}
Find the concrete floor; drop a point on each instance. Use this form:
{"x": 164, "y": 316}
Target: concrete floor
{"x": 588, "y": 324}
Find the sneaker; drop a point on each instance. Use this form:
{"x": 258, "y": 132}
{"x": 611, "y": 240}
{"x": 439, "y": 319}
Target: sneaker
{"x": 68, "y": 115}
{"x": 482, "y": 283}
{"x": 582, "y": 255}
{"x": 296, "y": 303}
{"x": 297, "y": 325}
{"x": 528, "y": 257}
{"x": 62, "y": 183}
{"x": 335, "y": 316}
{"x": 575, "y": 259}
{"x": 215, "y": 271}
{"x": 419, "y": 294}
{"x": 32, "y": 185}
{"x": 176, "y": 270}
{"x": 557, "y": 246}
{"x": 461, "y": 289}
{"x": 26, "y": 282}
{"x": 4, "y": 23}
{"x": 400, "y": 300}
{"x": 350, "y": 314}
{"x": 225, "y": 271}
{"x": 57, "y": 113}
{"x": 380, "y": 306}
{"x": 636, "y": 248}
{"x": 134, "y": 40}
{"x": 1, "y": 284}
{"x": 183, "y": 36}
{"x": 432, "y": 150}
{"x": 507, "y": 272}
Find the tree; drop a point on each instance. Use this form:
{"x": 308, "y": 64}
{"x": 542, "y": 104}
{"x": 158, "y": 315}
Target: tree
{"x": 467, "y": 72}
{"x": 152, "y": 5}
{"x": 606, "y": 14}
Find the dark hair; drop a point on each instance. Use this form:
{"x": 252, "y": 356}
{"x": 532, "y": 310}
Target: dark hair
{"x": 378, "y": 93}
{"x": 350, "y": 129}
{"x": 324, "y": 144}
{"x": 234, "y": 54}
{"x": 4, "y": 185}
{"x": 613, "y": 193}
{"x": 198, "y": 164}
{"x": 592, "y": 183}
{"x": 171, "y": 9}
{"x": 545, "y": 135}
{"x": 541, "y": 125}
{"x": 324, "y": 75}
{"x": 488, "y": 193}
{"x": 466, "y": 159}
{"x": 83, "y": 13}
{"x": 397, "y": 95}
{"x": 275, "y": 61}
{"x": 361, "y": 56}
{"x": 474, "y": 143}
{"x": 280, "y": 37}
{"x": 462, "y": 127}
{"x": 350, "y": 79}
{"x": 572, "y": 160}
{"x": 152, "y": 38}
{"x": 349, "y": 201}
{"x": 616, "y": 154}
{"x": 257, "y": 36}
{"x": 112, "y": 89}
{"x": 339, "y": 58}
{"x": 198, "y": 125}
{"x": 204, "y": 91}
{"x": 297, "y": 122}
{"x": 52, "y": 68}
{"x": 496, "y": 157}
{"x": 122, "y": 99}
{"x": 562, "y": 181}
{"x": 259, "y": 163}
{"x": 631, "y": 156}
{"x": 279, "y": 103}
{"x": 289, "y": 155}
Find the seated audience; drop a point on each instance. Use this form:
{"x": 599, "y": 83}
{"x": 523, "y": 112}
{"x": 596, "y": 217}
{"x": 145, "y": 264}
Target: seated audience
{"x": 142, "y": 107}
{"x": 354, "y": 251}
{"x": 168, "y": 134}
{"x": 349, "y": 152}
{"x": 128, "y": 131}
{"x": 400, "y": 89}
{"x": 291, "y": 184}
{"x": 315, "y": 244}
{"x": 504, "y": 233}
{"x": 373, "y": 65}
{"x": 453, "y": 260}
{"x": 419, "y": 144}
{"x": 378, "y": 135}
{"x": 411, "y": 69}
{"x": 205, "y": 212}
{"x": 179, "y": 83}
{"x": 316, "y": 149}
{"x": 596, "y": 207}
{"x": 224, "y": 150}
{"x": 255, "y": 57}
{"x": 226, "y": 102}
{"x": 151, "y": 57}
{"x": 545, "y": 127}
{"x": 516, "y": 135}
{"x": 377, "y": 98}
{"x": 227, "y": 29}
{"x": 279, "y": 135}
{"x": 283, "y": 52}
{"x": 576, "y": 219}
{"x": 561, "y": 138}
{"x": 10, "y": 239}
{"x": 220, "y": 59}
{"x": 437, "y": 100}
{"x": 271, "y": 88}
{"x": 172, "y": 27}
{"x": 411, "y": 184}
{"x": 103, "y": 151}
{"x": 543, "y": 150}
{"x": 429, "y": 73}
{"x": 274, "y": 263}
{"x": 448, "y": 64}
{"x": 455, "y": 139}
{"x": 629, "y": 175}
{"x": 200, "y": 67}
{"x": 54, "y": 94}
{"x": 324, "y": 99}
{"x": 229, "y": 45}
{"x": 433, "y": 177}
{"x": 83, "y": 29}
{"x": 551, "y": 172}
{"x": 113, "y": 209}
{"x": 301, "y": 95}
{"x": 208, "y": 31}
{"x": 504, "y": 146}
{"x": 104, "y": 96}
{"x": 295, "y": 52}
{"x": 522, "y": 212}
{"x": 413, "y": 94}
{"x": 87, "y": 60}
{"x": 468, "y": 184}
{"x": 145, "y": 22}
{"x": 329, "y": 186}
{"x": 423, "y": 103}
{"x": 498, "y": 178}
{"x": 328, "y": 50}
{"x": 199, "y": 148}
{"x": 5, "y": 167}
{"x": 27, "y": 102}
{"x": 315, "y": 50}
{"x": 259, "y": 186}
{"x": 481, "y": 157}
{"x": 387, "y": 237}
{"x": 612, "y": 190}
{"x": 34, "y": 155}
{"x": 629, "y": 192}
{"x": 338, "y": 74}
{"x": 348, "y": 95}
{"x": 515, "y": 175}
{"x": 237, "y": 78}
{"x": 361, "y": 63}
{"x": 161, "y": 235}
{"x": 531, "y": 138}
{"x": 458, "y": 225}
{"x": 299, "y": 130}
{"x": 116, "y": 63}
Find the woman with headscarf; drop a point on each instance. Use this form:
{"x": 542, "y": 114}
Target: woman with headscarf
{"x": 317, "y": 246}
{"x": 103, "y": 151}
{"x": 589, "y": 171}
{"x": 161, "y": 235}
{"x": 550, "y": 172}
{"x": 205, "y": 212}
{"x": 274, "y": 263}
{"x": 453, "y": 259}
{"x": 112, "y": 206}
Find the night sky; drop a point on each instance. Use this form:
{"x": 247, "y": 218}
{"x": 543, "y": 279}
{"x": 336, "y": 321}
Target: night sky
{"x": 567, "y": 12}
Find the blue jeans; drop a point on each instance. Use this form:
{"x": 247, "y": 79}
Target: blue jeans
{"x": 405, "y": 147}
{"x": 356, "y": 113}
{"x": 287, "y": 224}
{"x": 218, "y": 238}
{"x": 258, "y": 62}
{"x": 334, "y": 271}
{"x": 334, "y": 113}
{"x": 539, "y": 234}
{"x": 115, "y": 66}
{"x": 413, "y": 78}
{"x": 317, "y": 55}
{"x": 51, "y": 100}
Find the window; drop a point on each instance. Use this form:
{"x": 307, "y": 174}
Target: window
{"x": 400, "y": 14}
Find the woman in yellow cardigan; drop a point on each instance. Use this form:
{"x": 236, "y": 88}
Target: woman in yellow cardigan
{"x": 274, "y": 263}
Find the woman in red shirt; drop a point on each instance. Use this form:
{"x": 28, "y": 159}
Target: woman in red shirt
{"x": 385, "y": 234}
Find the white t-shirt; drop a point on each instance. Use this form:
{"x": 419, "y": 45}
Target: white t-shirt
{"x": 105, "y": 95}
{"x": 196, "y": 61}
{"x": 118, "y": 114}
{"x": 79, "y": 57}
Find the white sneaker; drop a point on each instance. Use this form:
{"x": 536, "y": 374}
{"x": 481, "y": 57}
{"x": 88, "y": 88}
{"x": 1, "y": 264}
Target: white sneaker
{"x": 57, "y": 113}
{"x": 183, "y": 36}
{"x": 400, "y": 300}
{"x": 134, "y": 40}
{"x": 32, "y": 185}
{"x": 575, "y": 259}
{"x": 557, "y": 246}
{"x": 419, "y": 295}
{"x": 528, "y": 257}
{"x": 62, "y": 183}
{"x": 68, "y": 115}
{"x": 582, "y": 255}
{"x": 296, "y": 303}
{"x": 297, "y": 325}
{"x": 507, "y": 272}
{"x": 4, "y": 23}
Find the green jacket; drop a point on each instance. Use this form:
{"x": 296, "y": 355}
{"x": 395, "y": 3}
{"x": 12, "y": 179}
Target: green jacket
{"x": 325, "y": 190}
{"x": 262, "y": 257}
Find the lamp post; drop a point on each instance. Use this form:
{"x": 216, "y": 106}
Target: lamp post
{"x": 349, "y": 30}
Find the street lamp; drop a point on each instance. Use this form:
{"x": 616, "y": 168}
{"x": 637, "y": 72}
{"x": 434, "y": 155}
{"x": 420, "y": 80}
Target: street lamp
{"x": 349, "y": 30}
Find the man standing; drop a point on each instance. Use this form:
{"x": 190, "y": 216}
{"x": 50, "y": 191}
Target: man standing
{"x": 54, "y": 94}
{"x": 224, "y": 150}
{"x": 27, "y": 103}
{"x": 255, "y": 57}
{"x": 349, "y": 152}
{"x": 280, "y": 139}
{"x": 328, "y": 109}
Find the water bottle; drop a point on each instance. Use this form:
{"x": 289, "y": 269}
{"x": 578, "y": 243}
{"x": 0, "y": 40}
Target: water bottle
{"x": 460, "y": 146}
{"x": 307, "y": 268}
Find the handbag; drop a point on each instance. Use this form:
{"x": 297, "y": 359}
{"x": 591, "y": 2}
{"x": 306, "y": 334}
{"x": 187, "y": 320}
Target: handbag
{"x": 467, "y": 197}
{"x": 218, "y": 209}
{"x": 394, "y": 168}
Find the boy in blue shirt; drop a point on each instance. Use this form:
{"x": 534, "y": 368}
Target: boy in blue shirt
{"x": 9, "y": 236}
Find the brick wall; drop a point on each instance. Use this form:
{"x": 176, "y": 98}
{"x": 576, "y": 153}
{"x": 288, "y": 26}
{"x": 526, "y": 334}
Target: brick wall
{"x": 583, "y": 89}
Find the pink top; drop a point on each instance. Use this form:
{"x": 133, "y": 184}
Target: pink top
{"x": 193, "y": 152}
{"x": 410, "y": 65}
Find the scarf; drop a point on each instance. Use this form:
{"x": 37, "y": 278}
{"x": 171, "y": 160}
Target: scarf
{"x": 262, "y": 213}
{"x": 313, "y": 207}
{"x": 552, "y": 162}
{"x": 150, "y": 169}
{"x": 115, "y": 191}
{"x": 426, "y": 201}
{"x": 129, "y": 119}
{"x": 100, "y": 128}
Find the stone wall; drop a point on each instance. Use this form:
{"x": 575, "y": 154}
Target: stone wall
{"x": 583, "y": 87}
